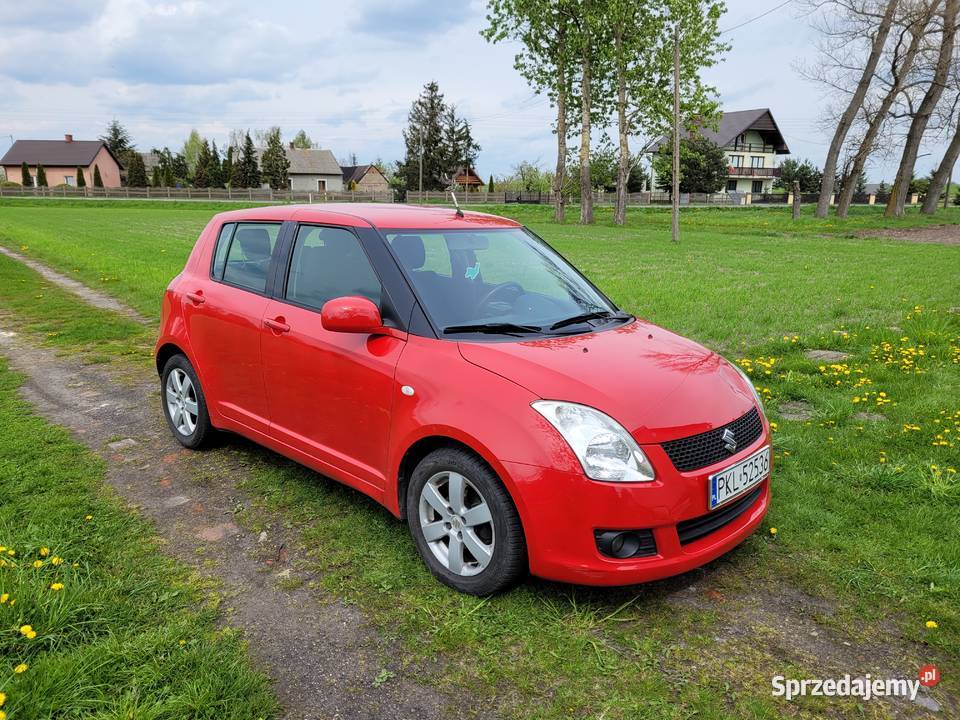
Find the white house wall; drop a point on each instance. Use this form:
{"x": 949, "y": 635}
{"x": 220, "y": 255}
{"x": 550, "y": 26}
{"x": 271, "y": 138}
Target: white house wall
{"x": 308, "y": 183}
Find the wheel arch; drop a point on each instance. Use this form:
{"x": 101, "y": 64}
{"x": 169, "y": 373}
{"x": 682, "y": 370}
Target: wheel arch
{"x": 425, "y": 445}
{"x": 167, "y": 351}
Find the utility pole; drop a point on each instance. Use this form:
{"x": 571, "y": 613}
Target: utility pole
{"x": 421, "y": 164}
{"x": 675, "y": 188}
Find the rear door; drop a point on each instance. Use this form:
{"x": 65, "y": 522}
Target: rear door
{"x": 330, "y": 393}
{"x": 224, "y": 314}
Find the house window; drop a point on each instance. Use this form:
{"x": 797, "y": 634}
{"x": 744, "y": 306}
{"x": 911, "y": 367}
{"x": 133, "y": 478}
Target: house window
{"x": 736, "y": 160}
{"x": 322, "y": 185}
{"x": 69, "y": 180}
{"x": 731, "y": 185}
{"x": 756, "y": 161}
{"x": 757, "y": 186}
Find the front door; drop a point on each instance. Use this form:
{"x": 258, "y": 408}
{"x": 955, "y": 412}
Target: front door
{"x": 330, "y": 393}
{"x": 223, "y": 312}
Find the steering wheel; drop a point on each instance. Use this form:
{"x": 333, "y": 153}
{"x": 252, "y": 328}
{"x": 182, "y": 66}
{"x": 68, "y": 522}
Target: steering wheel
{"x": 497, "y": 290}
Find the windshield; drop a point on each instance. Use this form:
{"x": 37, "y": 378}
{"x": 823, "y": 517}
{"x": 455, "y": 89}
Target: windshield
{"x": 497, "y": 281}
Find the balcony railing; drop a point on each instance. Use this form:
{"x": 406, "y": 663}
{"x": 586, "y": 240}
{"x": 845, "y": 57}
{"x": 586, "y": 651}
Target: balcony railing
{"x": 750, "y": 147}
{"x": 754, "y": 172}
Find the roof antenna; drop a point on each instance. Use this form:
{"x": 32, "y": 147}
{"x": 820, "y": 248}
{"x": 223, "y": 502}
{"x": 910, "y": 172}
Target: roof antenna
{"x": 456, "y": 204}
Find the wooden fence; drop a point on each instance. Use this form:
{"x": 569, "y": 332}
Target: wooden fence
{"x": 236, "y": 195}
{"x": 266, "y": 195}
{"x": 603, "y": 199}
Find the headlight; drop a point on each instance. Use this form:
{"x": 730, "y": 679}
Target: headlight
{"x": 605, "y": 450}
{"x": 749, "y": 382}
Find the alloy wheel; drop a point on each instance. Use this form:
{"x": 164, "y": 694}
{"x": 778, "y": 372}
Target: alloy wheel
{"x": 182, "y": 405}
{"x": 456, "y": 523}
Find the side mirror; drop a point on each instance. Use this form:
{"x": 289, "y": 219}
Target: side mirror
{"x": 350, "y": 315}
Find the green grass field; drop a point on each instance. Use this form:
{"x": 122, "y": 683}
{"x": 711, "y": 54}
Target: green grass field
{"x": 867, "y": 507}
{"x": 94, "y": 621}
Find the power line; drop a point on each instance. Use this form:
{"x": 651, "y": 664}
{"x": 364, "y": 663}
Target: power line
{"x": 753, "y": 19}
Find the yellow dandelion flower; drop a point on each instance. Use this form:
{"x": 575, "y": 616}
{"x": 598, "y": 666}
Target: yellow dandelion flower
{"x": 21, "y": 668}
{"x": 3, "y": 598}
{"x": 38, "y": 563}
{"x": 773, "y": 531}
{"x": 3, "y": 715}
{"x": 26, "y": 629}
{"x": 183, "y": 642}
{"x": 56, "y": 560}
{"x": 932, "y": 625}
{"x": 11, "y": 552}
{"x": 3, "y": 699}
{"x": 44, "y": 551}
{"x": 56, "y": 586}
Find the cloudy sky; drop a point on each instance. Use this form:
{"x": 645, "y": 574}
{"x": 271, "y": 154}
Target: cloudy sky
{"x": 344, "y": 72}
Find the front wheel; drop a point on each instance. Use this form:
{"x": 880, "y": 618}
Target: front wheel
{"x": 464, "y": 523}
{"x": 184, "y": 405}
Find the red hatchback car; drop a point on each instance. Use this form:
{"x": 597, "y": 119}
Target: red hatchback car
{"x": 458, "y": 370}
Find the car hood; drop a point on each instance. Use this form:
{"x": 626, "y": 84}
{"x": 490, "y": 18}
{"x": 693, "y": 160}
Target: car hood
{"x": 658, "y": 385}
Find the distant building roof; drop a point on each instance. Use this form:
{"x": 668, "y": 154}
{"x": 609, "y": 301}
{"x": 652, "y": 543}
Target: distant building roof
{"x": 353, "y": 173}
{"x": 468, "y": 178}
{"x": 55, "y": 153}
{"x": 733, "y": 124}
{"x": 309, "y": 161}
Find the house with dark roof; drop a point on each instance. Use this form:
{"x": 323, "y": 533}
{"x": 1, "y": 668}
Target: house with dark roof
{"x": 62, "y": 160}
{"x": 752, "y": 141}
{"x": 364, "y": 178}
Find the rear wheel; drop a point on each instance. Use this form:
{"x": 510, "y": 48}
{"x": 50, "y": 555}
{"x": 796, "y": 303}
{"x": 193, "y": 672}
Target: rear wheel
{"x": 184, "y": 405}
{"x": 464, "y": 523}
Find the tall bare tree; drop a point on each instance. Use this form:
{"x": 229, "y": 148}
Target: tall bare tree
{"x": 853, "y": 14}
{"x": 914, "y": 26}
{"x": 918, "y": 125}
{"x": 941, "y": 176}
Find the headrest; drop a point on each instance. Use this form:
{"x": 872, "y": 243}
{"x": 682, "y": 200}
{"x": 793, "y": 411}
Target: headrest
{"x": 409, "y": 248}
{"x": 255, "y": 243}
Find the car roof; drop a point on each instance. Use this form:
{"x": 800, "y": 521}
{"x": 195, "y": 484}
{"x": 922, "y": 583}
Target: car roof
{"x": 379, "y": 215}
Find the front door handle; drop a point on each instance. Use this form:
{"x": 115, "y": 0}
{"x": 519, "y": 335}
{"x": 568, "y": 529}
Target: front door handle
{"x": 277, "y": 325}
{"x": 196, "y": 298}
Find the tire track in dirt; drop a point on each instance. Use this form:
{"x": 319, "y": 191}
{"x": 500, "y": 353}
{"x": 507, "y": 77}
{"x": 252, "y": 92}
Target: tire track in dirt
{"x": 323, "y": 656}
{"x": 89, "y": 295}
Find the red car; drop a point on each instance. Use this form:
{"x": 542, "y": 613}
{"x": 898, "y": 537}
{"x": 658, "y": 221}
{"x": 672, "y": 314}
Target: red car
{"x": 458, "y": 370}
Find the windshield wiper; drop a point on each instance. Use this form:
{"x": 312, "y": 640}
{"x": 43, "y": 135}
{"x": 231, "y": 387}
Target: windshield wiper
{"x": 583, "y": 317}
{"x": 503, "y": 328}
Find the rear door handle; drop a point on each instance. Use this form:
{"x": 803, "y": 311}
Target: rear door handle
{"x": 277, "y": 325}
{"x": 196, "y": 298}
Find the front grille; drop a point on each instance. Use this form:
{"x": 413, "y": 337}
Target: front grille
{"x": 696, "y": 528}
{"x": 697, "y": 451}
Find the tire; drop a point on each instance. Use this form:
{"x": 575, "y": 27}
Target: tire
{"x": 191, "y": 429}
{"x": 490, "y": 545}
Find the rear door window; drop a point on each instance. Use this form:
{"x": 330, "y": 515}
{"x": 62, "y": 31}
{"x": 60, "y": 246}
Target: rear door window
{"x": 248, "y": 256}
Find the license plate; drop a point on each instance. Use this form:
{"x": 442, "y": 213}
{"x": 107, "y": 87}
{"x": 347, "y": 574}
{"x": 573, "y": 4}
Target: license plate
{"x": 737, "y": 479}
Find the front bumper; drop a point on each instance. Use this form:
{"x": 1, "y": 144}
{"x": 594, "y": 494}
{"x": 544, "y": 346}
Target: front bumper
{"x": 562, "y": 510}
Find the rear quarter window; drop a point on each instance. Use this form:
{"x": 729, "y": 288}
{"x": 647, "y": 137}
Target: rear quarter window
{"x": 248, "y": 255}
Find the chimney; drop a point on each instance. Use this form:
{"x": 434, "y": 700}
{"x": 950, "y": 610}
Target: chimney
{"x": 68, "y": 138}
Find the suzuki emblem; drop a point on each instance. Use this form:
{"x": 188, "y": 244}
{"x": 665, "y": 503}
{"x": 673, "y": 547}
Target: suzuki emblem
{"x": 729, "y": 440}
